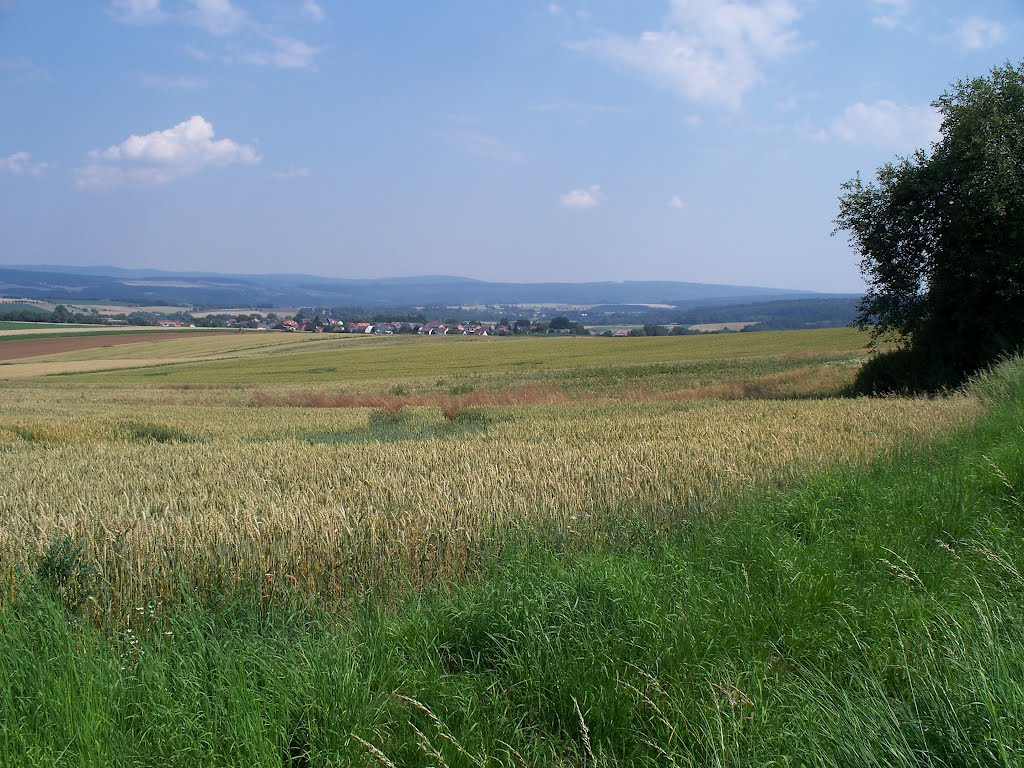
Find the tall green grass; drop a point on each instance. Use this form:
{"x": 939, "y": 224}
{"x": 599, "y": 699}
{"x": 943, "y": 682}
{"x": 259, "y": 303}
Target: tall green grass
{"x": 859, "y": 618}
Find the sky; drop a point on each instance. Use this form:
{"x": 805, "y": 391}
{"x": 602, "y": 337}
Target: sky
{"x": 509, "y": 140}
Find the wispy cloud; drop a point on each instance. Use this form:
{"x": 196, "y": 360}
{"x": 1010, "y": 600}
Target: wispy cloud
{"x": 21, "y": 164}
{"x": 591, "y": 197}
{"x": 137, "y": 11}
{"x": 258, "y": 43}
{"x": 22, "y": 71}
{"x": 892, "y": 14}
{"x": 885, "y": 125}
{"x": 676, "y": 202}
{"x": 976, "y": 32}
{"x": 157, "y": 158}
{"x": 486, "y": 146}
{"x": 291, "y": 172}
{"x": 172, "y": 83}
{"x": 218, "y": 17}
{"x": 707, "y": 51}
{"x": 312, "y": 9}
{"x": 196, "y": 53}
{"x": 574, "y": 106}
{"x": 283, "y": 52}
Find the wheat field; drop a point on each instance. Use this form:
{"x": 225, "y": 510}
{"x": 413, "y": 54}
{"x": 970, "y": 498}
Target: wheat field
{"x": 157, "y": 484}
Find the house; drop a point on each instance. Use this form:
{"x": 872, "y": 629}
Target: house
{"x": 170, "y": 324}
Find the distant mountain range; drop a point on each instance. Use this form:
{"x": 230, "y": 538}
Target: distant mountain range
{"x": 147, "y": 286}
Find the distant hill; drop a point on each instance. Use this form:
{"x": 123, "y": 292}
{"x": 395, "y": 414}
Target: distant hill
{"x": 143, "y": 286}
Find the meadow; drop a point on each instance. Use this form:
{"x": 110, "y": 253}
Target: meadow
{"x": 270, "y": 549}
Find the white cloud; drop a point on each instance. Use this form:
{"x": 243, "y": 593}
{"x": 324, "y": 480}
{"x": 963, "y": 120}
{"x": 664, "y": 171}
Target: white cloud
{"x": 222, "y": 18}
{"x": 218, "y": 17}
{"x": 892, "y": 13}
{"x": 591, "y": 197}
{"x": 976, "y": 32}
{"x": 291, "y": 172}
{"x": 20, "y": 164}
{"x": 160, "y": 157}
{"x": 312, "y": 9}
{"x": 676, "y": 202}
{"x": 555, "y": 9}
{"x": 708, "y": 51}
{"x": 137, "y": 11}
{"x": 886, "y": 125}
{"x": 284, "y": 53}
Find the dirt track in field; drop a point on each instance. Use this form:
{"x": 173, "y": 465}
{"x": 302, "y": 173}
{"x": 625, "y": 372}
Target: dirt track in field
{"x": 14, "y": 350}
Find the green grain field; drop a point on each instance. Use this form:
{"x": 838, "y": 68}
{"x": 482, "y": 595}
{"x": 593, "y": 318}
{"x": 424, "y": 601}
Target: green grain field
{"x": 783, "y": 363}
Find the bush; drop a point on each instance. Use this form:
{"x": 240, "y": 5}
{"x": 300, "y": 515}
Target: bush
{"x": 62, "y": 571}
{"x": 904, "y": 371}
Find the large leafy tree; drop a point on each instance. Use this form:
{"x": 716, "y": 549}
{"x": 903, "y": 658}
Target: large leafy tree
{"x": 941, "y": 238}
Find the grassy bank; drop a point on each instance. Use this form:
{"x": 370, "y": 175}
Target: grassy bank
{"x": 862, "y": 617}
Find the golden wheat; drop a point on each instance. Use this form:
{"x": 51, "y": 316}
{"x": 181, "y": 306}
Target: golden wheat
{"x": 157, "y": 484}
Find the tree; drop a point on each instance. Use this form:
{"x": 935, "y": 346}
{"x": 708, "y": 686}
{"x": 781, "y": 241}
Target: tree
{"x": 560, "y": 323}
{"x": 941, "y": 240}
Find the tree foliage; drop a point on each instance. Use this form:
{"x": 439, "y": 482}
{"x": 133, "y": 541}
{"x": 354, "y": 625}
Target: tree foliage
{"x": 941, "y": 236}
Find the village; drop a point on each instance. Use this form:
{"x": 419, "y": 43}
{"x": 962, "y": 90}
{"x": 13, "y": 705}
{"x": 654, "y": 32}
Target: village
{"x": 299, "y": 323}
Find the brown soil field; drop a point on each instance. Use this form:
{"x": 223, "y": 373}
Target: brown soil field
{"x": 14, "y": 350}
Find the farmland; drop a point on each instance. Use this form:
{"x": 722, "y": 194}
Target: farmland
{"x": 430, "y": 518}
{"x": 809, "y": 363}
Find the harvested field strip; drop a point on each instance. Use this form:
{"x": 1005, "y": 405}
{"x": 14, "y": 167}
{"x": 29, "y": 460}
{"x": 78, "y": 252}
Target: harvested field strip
{"x": 174, "y": 347}
{"x": 14, "y": 349}
{"x": 59, "y": 329}
{"x": 13, "y": 327}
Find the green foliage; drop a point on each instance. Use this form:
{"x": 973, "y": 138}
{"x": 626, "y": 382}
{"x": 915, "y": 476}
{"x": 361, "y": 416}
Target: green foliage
{"x": 22, "y": 313}
{"x": 159, "y": 433}
{"x": 61, "y": 570}
{"x": 941, "y": 234}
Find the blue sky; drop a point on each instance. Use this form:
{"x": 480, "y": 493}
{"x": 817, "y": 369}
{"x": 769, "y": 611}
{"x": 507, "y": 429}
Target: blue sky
{"x": 699, "y": 140}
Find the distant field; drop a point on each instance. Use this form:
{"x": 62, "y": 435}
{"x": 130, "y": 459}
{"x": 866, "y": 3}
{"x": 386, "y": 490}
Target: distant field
{"x": 778, "y": 364}
{"x": 6, "y": 326}
{"x": 127, "y": 309}
{"x": 593, "y": 364}
{"x": 710, "y": 327}
{"x": 247, "y": 311}
{"x": 101, "y": 307}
